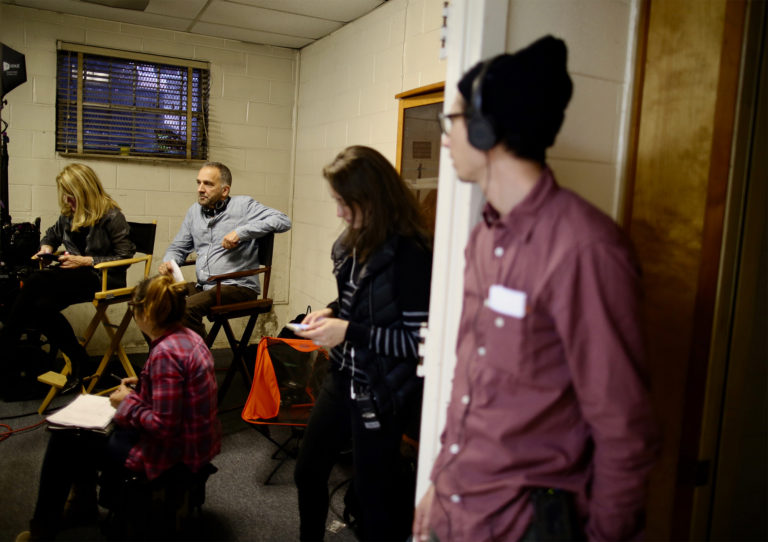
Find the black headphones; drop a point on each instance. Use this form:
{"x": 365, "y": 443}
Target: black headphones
{"x": 218, "y": 208}
{"x": 481, "y": 129}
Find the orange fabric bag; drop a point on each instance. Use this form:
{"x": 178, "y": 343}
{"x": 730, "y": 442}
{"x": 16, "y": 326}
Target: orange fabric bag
{"x": 263, "y": 403}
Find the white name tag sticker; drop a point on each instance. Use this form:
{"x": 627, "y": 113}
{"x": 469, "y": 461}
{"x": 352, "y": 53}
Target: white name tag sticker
{"x": 507, "y": 300}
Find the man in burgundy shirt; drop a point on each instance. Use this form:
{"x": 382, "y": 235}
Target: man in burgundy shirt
{"x": 550, "y": 433}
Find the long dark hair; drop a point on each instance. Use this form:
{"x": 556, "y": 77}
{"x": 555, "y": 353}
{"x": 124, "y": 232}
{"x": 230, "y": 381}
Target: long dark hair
{"x": 370, "y": 185}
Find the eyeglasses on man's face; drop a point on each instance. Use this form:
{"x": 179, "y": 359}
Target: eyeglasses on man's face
{"x": 446, "y": 121}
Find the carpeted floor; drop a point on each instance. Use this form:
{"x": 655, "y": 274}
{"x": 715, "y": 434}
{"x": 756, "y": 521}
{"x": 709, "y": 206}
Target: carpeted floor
{"x": 238, "y": 507}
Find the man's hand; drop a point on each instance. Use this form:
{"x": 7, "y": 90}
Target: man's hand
{"x": 70, "y": 261}
{"x": 165, "y": 268}
{"x": 324, "y": 331}
{"x": 421, "y": 515}
{"x": 230, "y": 240}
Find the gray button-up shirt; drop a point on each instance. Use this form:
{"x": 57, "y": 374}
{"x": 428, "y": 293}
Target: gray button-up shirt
{"x": 203, "y": 235}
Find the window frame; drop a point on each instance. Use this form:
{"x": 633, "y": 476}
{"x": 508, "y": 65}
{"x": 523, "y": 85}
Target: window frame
{"x": 188, "y": 113}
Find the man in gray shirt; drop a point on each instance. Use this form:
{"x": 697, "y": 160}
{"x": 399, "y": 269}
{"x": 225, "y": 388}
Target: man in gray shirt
{"x": 222, "y": 230}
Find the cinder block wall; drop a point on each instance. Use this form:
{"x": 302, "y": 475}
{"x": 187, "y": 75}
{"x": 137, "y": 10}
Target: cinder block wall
{"x": 587, "y": 156}
{"x": 250, "y": 126}
{"x": 347, "y": 87}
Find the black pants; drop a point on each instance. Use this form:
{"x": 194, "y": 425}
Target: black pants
{"x": 199, "y": 302}
{"x": 39, "y": 304}
{"x": 71, "y": 457}
{"x": 376, "y": 457}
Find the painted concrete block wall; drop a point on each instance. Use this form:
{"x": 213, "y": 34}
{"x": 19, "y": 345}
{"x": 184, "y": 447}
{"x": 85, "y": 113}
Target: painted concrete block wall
{"x": 250, "y": 129}
{"x": 347, "y": 87}
{"x": 587, "y": 153}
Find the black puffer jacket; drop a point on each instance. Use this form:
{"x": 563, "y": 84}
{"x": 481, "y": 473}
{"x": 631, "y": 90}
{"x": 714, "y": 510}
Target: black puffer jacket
{"x": 401, "y": 263}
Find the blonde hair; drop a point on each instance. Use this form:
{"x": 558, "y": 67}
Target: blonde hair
{"x": 160, "y": 300}
{"x": 91, "y": 201}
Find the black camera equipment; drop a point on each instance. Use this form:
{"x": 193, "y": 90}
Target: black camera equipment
{"x": 18, "y": 242}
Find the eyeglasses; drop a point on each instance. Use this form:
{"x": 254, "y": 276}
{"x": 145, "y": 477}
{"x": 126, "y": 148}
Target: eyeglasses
{"x": 446, "y": 120}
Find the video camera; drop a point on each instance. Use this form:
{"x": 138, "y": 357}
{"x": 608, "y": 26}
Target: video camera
{"x": 18, "y": 242}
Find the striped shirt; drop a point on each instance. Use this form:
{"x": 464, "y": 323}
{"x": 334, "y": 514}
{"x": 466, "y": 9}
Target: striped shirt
{"x": 403, "y": 341}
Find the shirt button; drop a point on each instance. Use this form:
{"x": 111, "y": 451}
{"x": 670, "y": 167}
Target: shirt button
{"x": 481, "y": 351}
{"x": 454, "y": 449}
{"x": 499, "y": 322}
{"x": 465, "y": 399}
{"x": 455, "y": 498}
{"x": 498, "y": 252}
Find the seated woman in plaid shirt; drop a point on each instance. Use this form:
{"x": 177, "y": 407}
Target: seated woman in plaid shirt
{"x": 168, "y": 420}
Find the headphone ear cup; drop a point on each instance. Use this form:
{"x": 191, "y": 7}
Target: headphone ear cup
{"x": 481, "y": 132}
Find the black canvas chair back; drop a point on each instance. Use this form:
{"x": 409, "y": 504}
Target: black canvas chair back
{"x": 221, "y": 314}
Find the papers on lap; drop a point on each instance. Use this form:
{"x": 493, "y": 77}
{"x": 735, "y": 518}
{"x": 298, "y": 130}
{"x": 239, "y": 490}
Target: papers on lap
{"x": 86, "y": 411}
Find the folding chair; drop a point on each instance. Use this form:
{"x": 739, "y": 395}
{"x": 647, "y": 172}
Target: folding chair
{"x": 143, "y": 236}
{"x": 220, "y": 314}
{"x": 287, "y": 377}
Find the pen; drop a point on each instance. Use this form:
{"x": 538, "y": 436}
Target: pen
{"x": 132, "y": 386}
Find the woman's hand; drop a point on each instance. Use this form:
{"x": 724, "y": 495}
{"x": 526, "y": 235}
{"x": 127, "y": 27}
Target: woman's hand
{"x": 324, "y": 331}
{"x": 44, "y": 249}
{"x": 314, "y": 316}
{"x": 123, "y": 391}
{"x": 70, "y": 261}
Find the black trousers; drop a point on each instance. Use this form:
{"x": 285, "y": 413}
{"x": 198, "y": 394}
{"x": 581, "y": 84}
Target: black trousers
{"x": 76, "y": 457}
{"x": 199, "y": 302}
{"x": 39, "y": 304}
{"x": 376, "y": 457}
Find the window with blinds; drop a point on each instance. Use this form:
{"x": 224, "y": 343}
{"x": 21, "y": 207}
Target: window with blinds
{"x": 130, "y": 104}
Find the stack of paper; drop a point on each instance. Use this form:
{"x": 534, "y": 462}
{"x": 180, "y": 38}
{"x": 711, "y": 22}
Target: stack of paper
{"x": 86, "y": 411}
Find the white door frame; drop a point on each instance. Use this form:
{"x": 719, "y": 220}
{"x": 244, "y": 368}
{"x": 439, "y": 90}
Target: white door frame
{"x": 475, "y": 32}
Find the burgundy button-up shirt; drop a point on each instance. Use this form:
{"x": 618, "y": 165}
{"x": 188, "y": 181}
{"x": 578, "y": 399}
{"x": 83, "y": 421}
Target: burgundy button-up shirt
{"x": 549, "y": 388}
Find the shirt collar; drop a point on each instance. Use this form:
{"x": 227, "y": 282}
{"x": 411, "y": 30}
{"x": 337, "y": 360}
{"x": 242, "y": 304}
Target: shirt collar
{"x": 520, "y": 220}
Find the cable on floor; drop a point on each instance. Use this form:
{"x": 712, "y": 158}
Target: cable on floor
{"x": 10, "y": 431}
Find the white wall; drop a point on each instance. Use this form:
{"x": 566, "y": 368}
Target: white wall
{"x": 589, "y": 152}
{"x": 347, "y": 87}
{"x": 250, "y": 126}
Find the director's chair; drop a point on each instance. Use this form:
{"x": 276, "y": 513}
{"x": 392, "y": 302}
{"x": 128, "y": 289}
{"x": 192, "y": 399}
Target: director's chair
{"x": 143, "y": 237}
{"x": 221, "y": 314}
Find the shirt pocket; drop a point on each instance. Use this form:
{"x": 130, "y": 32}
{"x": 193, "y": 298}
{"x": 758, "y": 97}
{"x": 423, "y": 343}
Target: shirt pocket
{"x": 502, "y": 348}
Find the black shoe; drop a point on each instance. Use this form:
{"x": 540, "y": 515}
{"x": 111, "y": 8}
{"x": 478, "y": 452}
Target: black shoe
{"x": 73, "y": 383}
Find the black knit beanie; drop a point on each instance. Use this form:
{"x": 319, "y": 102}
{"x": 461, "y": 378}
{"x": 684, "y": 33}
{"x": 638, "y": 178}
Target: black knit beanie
{"x": 524, "y": 96}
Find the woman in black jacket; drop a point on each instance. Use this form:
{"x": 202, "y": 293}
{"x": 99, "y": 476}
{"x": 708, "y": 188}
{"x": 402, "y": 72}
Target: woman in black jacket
{"x": 382, "y": 263}
{"x": 93, "y": 230}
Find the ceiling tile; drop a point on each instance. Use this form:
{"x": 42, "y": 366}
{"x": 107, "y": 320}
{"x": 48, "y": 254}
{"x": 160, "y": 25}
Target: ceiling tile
{"x": 266, "y": 20}
{"x": 185, "y": 9}
{"x": 334, "y": 10}
{"x": 284, "y": 23}
{"x": 250, "y": 36}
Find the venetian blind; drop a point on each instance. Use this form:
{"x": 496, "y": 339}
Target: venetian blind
{"x": 125, "y": 104}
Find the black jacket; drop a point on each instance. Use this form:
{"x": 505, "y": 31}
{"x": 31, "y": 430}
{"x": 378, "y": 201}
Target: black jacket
{"x": 399, "y": 264}
{"x": 107, "y": 240}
